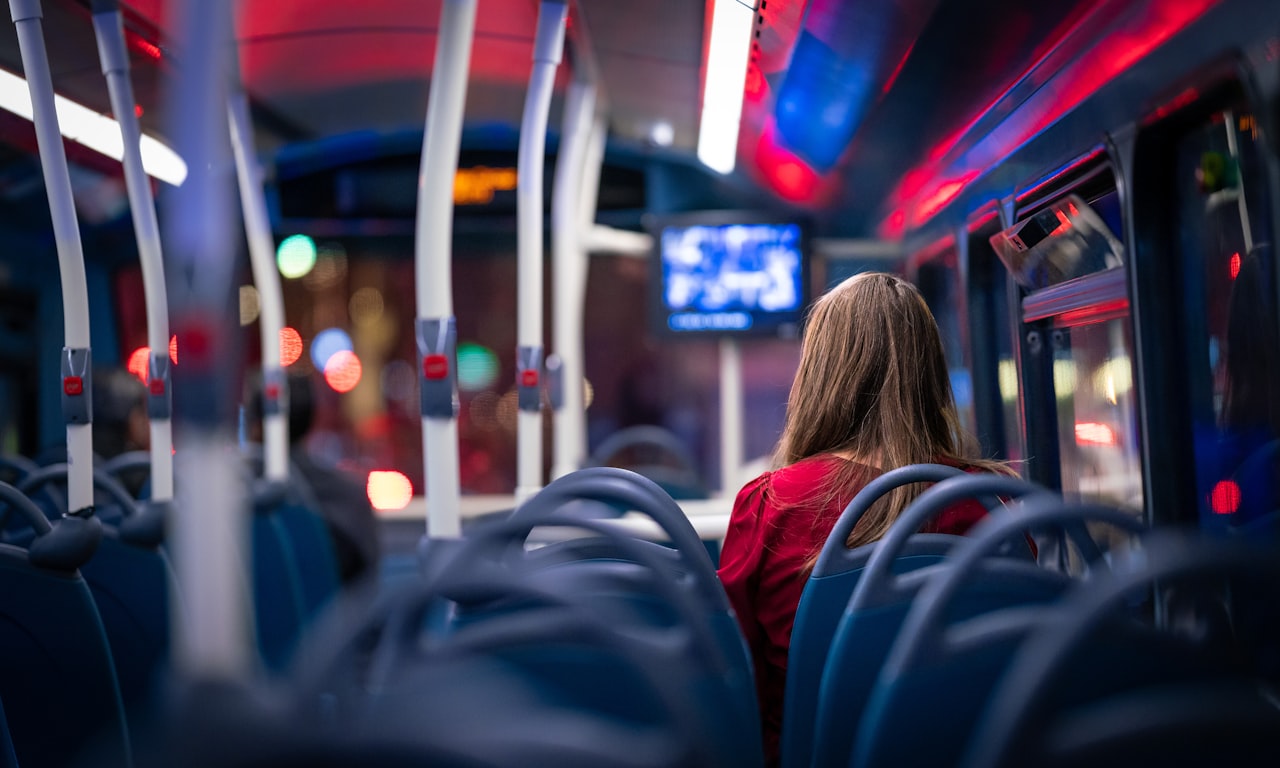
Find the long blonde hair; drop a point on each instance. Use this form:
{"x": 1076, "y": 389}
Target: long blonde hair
{"x": 873, "y": 387}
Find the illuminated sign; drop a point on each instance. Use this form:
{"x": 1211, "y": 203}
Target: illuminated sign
{"x": 476, "y": 186}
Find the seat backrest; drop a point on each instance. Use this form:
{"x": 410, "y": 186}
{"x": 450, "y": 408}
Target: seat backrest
{"x": 879, "y": 603}
{"x": 821, "y": 605}
{"x": 277, "y": 591}
{"x": 1041, "y": 692}
{"x": 131, "y": 581}
{"x": 830, "y": 587}
{"x": 57, "y": 677}
{"x": 929, "y": 677}
{"x": 313, "y": 555}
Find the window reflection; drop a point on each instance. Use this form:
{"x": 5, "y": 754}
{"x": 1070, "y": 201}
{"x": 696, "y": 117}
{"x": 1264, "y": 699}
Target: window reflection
{"x": 1098, "y": 438}
{"x": 1226, "y": 240}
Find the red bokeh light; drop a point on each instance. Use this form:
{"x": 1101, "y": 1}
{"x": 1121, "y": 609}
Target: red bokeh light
{"x": 1225, "y": 497}
{"x": 290, "y": 346}
{"x": 343, "y": 371}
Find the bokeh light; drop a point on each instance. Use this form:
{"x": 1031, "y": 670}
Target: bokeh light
{"x": 366, "y": 306}
{"x": 140, "y": 362}
{"x": 477, "y": 367}
{"x": 484, "y": 411}
{"x": 330, "y": 267}
{"x": 327, "y": 343}
{"x": 250, "y": 304}
{"x": 296, "y": 256}
{"x": 342, "y": 371}
{"x": 389, "y": 489}
{"x": 507, "y": 411}
{"x": 290, "y": 346}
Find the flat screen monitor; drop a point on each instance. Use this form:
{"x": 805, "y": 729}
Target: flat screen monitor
{"x": 720, "y": 274}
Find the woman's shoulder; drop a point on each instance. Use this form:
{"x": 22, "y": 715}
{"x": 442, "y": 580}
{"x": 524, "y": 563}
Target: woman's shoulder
{"x": 795, "y": 483}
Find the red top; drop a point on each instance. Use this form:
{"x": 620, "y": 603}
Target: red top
{"x": 771, "y": 536}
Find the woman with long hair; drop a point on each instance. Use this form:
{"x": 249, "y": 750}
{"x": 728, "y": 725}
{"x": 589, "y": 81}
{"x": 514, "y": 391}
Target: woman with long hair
{"x": 872, "y": 393}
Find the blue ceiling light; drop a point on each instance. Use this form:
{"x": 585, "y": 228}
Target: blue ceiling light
{"x": 822, "y": 101}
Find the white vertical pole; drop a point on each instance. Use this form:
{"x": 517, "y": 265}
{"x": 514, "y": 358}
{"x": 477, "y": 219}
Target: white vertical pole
{"x": 731, "y": 416}
{"x": 433, "y": 249}
{"x": 77, "y": 357}
{"x": 109, "y": 31}
{"x": 569, "y": 267}
{"x": 266, "y": 278}
{"x": 547, "y": 50}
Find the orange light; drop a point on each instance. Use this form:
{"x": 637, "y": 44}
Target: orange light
{"x": 290, "y": 346}
{"x": 173, "y": 349}
{"x": 389, "y": 489}
{"x": 140, "y": 363}
{"x": 1093, "y": 433}
{"x": 1225, "y": 497}
{"x": 1235, "y": 265}
{"x": 476, "y": 186}
{"x": 343, "y": 371}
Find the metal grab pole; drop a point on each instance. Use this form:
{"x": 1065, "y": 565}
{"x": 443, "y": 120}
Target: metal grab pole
{"x": 730, "y": 414}
{"x": 266, "y": 278}
{"x": 433, "y": 250}
{"x": 209, "y": 532}
{"x": 108, "y": 27}
{"x": 547, "y": 49}
{"x": 569, "y": 266}
{"x": 77, "y": 357}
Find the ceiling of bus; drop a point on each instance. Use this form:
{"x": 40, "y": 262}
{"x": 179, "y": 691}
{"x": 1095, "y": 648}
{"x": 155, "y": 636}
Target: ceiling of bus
{"x": 320, "y": 68}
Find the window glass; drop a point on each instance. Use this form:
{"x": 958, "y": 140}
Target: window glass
{"x": 1234, "y": 351}
{"x": 1098, "y": 438}
{"x": 939, "y": 283}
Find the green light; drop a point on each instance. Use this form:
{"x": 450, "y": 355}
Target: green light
{"x": 477, "y": 367}
{"x": 296, "y": 256}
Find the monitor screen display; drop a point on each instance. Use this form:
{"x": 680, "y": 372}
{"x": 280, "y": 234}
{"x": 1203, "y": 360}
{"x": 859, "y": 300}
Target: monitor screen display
{"x": 745, "y": 277}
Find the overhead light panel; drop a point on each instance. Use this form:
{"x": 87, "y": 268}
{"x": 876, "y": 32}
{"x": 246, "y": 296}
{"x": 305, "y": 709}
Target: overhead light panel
{"x": 97, "y": 132}
{"x": 732, "y": 22}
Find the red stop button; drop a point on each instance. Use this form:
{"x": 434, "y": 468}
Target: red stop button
{"x": 435, "y": 367}
{"x": 529, "y": 378}
{"x": 73, "y": 385}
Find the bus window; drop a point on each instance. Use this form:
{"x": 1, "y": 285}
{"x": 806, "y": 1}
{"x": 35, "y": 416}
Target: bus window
{"x": 939, "y": 283}
{"x": 1098, "y": 441}
{"x": 1225, "y": 239}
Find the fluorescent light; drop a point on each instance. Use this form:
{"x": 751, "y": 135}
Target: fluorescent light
{"x": 662, "y": 134}
{"x": 732, "y": 22}
{"x": 97, "y": 132}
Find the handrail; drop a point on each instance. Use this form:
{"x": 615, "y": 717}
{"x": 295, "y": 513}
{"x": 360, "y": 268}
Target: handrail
{"x": 108, "y": 27}
{"x": 569, "y": 278}
{"x": 433, "y": 247}
{"x": 266, "y": 278}
{"x": 547, "y": 49}
{"x": 77, "y": 356}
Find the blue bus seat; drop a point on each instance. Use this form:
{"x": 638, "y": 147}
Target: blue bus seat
{"x": 277, "y": 590}
{"x": 945, "y": 662}
{"x": 881, "y": 599}
{"x": 131, "y": 580}
{"x": 827, "y": 592}
{"x": 1179, "y": 699}
{"x": 57, "y": 676}
{"x": 309, "y": 539}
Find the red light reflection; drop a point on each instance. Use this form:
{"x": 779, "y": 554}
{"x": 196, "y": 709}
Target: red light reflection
{"x": 1225, "y": 497}
{"x": 1093, "y": 433}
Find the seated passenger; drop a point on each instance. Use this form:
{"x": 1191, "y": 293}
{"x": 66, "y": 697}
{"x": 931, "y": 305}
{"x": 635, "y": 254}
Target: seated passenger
{"x": 872, "y": 393}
